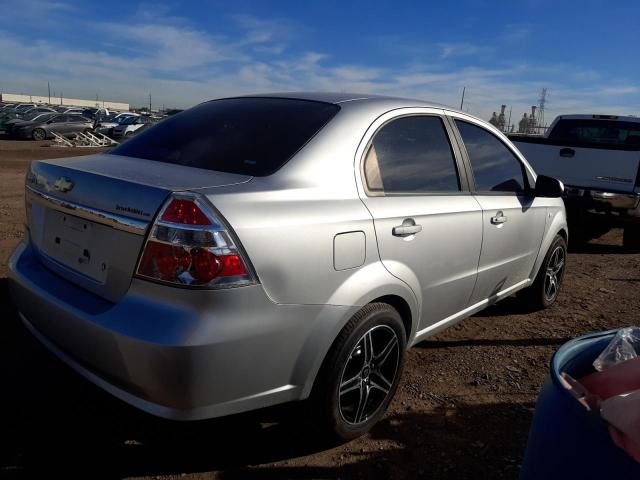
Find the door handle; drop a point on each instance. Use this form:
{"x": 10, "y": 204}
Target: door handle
{"x": 499, "y": 218}
{"x": 567, "y": 152}
{"x": 407, "y": 228}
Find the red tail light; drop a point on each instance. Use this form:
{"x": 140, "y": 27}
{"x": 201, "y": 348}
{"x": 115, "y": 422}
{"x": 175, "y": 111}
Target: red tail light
{"x": 189, "y": 245}
{"x": 185, "y": 212}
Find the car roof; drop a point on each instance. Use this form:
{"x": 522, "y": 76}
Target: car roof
{"x": 343, "y": 98}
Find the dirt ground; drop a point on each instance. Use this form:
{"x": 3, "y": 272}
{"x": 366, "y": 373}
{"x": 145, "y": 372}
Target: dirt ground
{"x": 462, "y": 411}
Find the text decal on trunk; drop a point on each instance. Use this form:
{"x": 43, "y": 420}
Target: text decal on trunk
{"x": 136, "y": 211}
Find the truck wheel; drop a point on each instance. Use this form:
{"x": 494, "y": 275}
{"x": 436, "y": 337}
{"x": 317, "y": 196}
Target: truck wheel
{"x": 39, "y": 134}
{"x": 360, "y": 374}
{"x": 631, "y": 238}
{"x": 545, "y": 289}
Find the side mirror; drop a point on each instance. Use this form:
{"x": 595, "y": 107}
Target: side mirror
{"x": 548, "y": 187}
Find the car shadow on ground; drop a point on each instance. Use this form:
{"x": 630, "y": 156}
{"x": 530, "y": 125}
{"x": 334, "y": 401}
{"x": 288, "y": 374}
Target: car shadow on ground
{"x": 485, "y": 342}
{"x": 54, "y": 422}
{"x": 599, "y": 248}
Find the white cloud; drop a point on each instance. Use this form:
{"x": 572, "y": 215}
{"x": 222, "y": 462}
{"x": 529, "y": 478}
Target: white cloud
{"x": 261, "y": 31}
{"x": 168, "y": 47}
{"x": 182, "y": 65}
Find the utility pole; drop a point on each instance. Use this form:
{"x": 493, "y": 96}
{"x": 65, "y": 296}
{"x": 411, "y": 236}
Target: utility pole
{"x": 462, "y": 100}
{"x": 149, "y": 103}
{"x": 49, "y": 89}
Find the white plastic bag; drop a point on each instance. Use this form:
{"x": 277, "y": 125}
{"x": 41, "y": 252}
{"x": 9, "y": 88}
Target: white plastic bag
{"x": 624, "y": 346}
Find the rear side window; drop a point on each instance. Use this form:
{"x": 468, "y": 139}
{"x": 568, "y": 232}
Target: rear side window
{"x": 597, "y": 132}
{"x": 411, "y": 155}
{"x": 250, "y": 136}
{"x": 495, "y": 167}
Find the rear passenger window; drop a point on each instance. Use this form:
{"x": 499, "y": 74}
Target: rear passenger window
{"x": 411, "y": 155}
{"x": 495, "y": 168}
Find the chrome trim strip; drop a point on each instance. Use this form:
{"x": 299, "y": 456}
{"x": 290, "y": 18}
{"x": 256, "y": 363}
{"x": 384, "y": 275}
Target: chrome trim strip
{"x": 119, "y": 222}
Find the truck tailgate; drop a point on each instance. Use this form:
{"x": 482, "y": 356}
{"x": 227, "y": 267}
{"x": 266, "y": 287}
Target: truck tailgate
{"x": 610, "y": 169}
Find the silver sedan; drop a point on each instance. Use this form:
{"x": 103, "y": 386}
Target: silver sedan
{"x": 256, "y": 250}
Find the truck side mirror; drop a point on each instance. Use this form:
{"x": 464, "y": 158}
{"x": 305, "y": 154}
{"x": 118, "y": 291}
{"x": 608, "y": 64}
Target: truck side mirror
{"x": 548, "y": 187}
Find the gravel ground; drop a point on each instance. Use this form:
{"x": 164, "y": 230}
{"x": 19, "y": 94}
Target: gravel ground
{"x": 462, "y": 411}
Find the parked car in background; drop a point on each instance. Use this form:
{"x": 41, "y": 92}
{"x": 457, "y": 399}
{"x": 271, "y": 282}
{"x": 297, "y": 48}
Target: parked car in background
{"x": 95, "y": 114}
{"x": 257, "y": 250}
{"x": 74, "y": 111}
{"x": 30, "y": 111}
{"x": 128, "y": 126}
{"x": 9, "y": 124}
{"x": 598, "y": 159}
{"x": 22, "y": 107}
{"x": 106, "y": 125}
{"x": 68, "y": 109}
{"x": 6, "y": 117}
{"x": 41, "y": 109}
{"x": 61, "y": 124}
{"x": 144, "y": 127}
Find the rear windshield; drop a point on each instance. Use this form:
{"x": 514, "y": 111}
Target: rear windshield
{"x": 597, "y": 131}
{"x": 249, "y": 136}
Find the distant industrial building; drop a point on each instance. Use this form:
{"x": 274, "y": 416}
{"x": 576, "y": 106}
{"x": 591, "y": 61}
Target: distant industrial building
{"x": 75, "y": 102}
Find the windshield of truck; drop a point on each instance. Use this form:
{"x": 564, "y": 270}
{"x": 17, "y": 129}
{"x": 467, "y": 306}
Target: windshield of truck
{"x": 611, "y": 132}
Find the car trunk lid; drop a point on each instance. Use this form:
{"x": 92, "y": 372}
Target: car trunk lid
{"x": 88, "y": 216}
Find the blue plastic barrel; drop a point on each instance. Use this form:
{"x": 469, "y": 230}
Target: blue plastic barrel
{"x": 566, "y": 441}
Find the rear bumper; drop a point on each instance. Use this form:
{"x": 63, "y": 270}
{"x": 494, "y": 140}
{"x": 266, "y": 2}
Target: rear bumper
{"x": 176, "y": 353}
{"x": 616, "y": 208}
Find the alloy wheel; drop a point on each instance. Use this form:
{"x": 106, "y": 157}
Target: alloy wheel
{"x": 369, "y": 374}
{"x": 553, "y": 275}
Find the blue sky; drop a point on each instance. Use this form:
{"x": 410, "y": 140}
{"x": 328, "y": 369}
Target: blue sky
{"x": 585, "y": 52}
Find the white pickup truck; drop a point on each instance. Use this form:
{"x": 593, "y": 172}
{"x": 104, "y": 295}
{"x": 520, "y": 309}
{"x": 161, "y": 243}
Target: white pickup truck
{"x": 597, "y": 157}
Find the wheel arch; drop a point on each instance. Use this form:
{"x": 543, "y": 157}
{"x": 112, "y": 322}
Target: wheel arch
{"x": 398, "y": 295}
{"x": 564, "y": 234}
{"x": 556, "y": 225}
{"x": 403, "y": 309}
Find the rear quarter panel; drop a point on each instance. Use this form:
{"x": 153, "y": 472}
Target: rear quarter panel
{"x": 288, "y": 236}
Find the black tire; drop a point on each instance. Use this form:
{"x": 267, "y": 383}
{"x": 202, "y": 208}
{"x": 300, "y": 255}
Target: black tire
{"x": 631, "y": 238}
{"x": 39, "y": 134}
{"x": 338, "y": 415}
{"x": 538, "y": 296}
